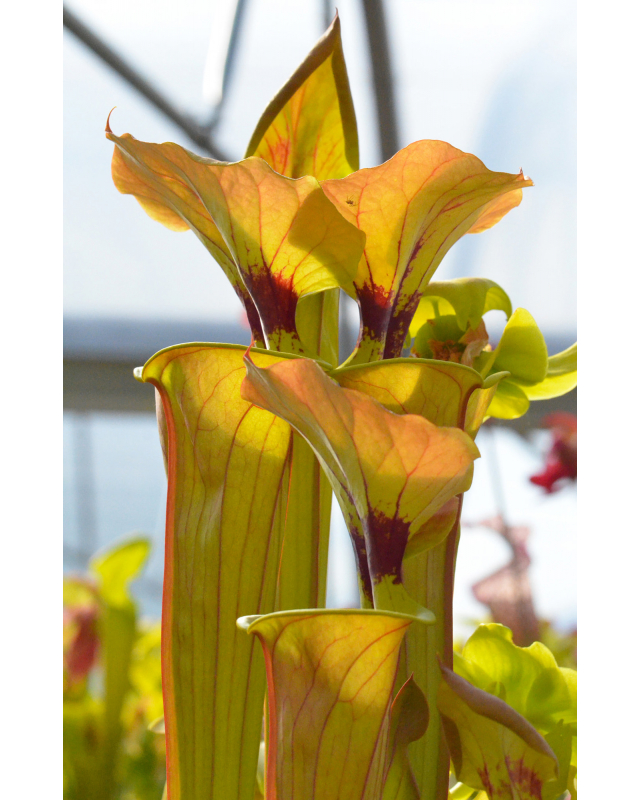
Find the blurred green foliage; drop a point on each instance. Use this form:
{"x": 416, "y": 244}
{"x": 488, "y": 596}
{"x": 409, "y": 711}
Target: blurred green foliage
{"x": 112, "y": 683}
{"x": 562, "y": 644}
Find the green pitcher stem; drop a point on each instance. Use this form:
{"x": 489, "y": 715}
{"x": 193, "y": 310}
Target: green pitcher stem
{"x": 451, "y": 554}
{"x": 302, "y": 579}
{"x": 428, "y": 577}
{"x": 365, "y": 601}
{"x": 429, "y": 756}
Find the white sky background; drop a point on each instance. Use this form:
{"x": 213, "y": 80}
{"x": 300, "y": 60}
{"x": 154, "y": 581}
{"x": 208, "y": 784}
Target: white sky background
{"x": 496, "y": 78}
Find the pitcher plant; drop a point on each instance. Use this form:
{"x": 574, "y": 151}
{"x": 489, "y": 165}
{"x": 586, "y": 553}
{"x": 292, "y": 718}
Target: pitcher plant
{"x": 353, "y": 703}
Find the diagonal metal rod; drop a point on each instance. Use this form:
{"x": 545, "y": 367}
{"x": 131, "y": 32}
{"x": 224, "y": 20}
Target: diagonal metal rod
{"x": 384, "y": 89}
{"x": 232, "y": 48}
{"x": 229, "y": 66}
{"x": 199, "y": 134}
{"x": 327, "y": 9}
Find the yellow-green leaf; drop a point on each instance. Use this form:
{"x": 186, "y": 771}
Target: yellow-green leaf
{"x": 479, "y": 403}
{"x": 280, "y": 239}
{"x": 436, "y": 390}
{"x": 117, "y": 567}
{"x": 93, "y": 728}
{"x": 508, "y": 401}
{"x": 409, "y": 720}
{"x": 560, "y": 740}
{"x": 228, "y": 464}
{"x": 468, "y": 298}
{"x": 531, "y": 680}
{"x": 309, "y": 128}
{"x": 117, "y": 624}
{"x": 395, "y": 471}
{"x": 533, "y": 375}
{"x": 330, "y": 680}
{"x": 522, "y": 350}
{"x": 77, "y": 591}
{"x": 413, "y": 208}
{"x": 146, "y": 672}
{"x": 561, "y": 377}
{"x": 492, "y": 747}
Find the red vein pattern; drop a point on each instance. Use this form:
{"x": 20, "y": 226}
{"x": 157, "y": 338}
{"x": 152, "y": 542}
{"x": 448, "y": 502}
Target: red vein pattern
{"x": 413, "y": 208}
{"x": 395, "y": 471}
{"x": 228, "y": 461}
{"x": 155, "y": 176}
{"x": 277, "y": 239}
{"x": 310, "y": 128}
{"x": 331, "y": 678}
{"x": 492, "y": 747}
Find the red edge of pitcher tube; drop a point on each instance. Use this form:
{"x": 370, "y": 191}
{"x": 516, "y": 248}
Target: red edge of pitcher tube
{"x": 166, "y": 644}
